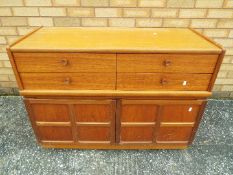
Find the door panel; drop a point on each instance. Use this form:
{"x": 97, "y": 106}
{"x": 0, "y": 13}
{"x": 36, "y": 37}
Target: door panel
{"x": 50, "y": 112}
{"x": 174, "y": 134}
{"x": 139, "y": 113}
{"x": 52, "y": 133}
{"x": 93, "y": 112}
{"x": 180, "y": 113}
{"x": 94, "y": 133}
{"x": 137, "y": 134}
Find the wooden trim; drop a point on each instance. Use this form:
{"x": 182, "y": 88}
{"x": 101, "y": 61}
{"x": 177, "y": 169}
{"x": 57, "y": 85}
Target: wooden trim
{"x": 162, "y": 102}
{"x": 179, "y": 124}
{"x": 69, "y": 101}
{"x": 31, "y": 118}
{"x": 197, "y": 122}
{"x": 40, "y": 123}
{"x": 136, "y": 142}
{"x": 94, "y": 142}
{"x": 135, "y": 124}
{"x": 119, "y": 51}
{"x": 73, "y": 121}
{"x": 172, "y": 142}
{"x": 56, "y": 142}
{"x": 25, "y": 36}
{"x": 216, "y": 70}
{"x": 118, "y": 121}
{"x": 206, "y": 38}
{"x": 158, "y": 121}
{"x": 14, "y": 67}
{"x": 115, "y": 93}
{"x": 175, "y": 146}
{"x": 113, "y": 122}
{"x": 106, "y": 124}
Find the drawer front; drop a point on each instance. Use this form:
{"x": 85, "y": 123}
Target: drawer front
{"x": 65, "y": 62}
{"x": 166, "y": 63}
{"x": 160, "y": 81}
{"x": 68, "y": 81}
{"x": 174, "y": 134}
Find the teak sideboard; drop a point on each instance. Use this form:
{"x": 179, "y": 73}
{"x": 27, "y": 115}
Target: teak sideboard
{"x": 115, "y": 88}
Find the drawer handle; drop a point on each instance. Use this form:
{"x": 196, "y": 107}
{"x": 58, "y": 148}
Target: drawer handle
{"x": 67, "y": 81}
{"x": 64, "y": 62}
{"x": 163, "y": 81}
{"x": 167, "y": 63}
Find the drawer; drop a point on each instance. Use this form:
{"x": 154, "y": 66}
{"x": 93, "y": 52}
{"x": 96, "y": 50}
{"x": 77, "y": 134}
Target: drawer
{"x": 184, "y": 63}
{"x": 162, "y": 81}
{"x": 68, "y": 81}
{"x": 65, "y": 62}
{"x": 94, "y": 111}
{"x": 174, "y": 134}
{"x": 54, "y": 133}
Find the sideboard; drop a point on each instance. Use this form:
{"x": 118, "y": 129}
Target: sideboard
{"x": 115, "y": 88}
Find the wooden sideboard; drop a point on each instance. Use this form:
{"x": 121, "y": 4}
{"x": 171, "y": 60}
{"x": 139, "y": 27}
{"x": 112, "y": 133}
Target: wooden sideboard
{"x": 115, "y": 88}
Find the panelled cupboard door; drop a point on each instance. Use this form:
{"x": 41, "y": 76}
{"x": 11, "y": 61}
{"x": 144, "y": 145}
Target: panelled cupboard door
{"x": 73, "y": 121}
{"x": 157, "y": 121}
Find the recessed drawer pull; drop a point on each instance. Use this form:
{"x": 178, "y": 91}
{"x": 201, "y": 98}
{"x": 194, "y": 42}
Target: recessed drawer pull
{"x": 163, "y": 81}
{"x": 167, "y": 63}
{"x": 67, "y": 81}
{"x": 64, "y": 62}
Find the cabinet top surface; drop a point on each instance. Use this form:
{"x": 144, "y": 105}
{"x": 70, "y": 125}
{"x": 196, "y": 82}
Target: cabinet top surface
{"x": 115, "y": 40}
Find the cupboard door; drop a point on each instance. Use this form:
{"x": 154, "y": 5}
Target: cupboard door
{"x": 137, "y": 121}
{"x": 95, "y": 121}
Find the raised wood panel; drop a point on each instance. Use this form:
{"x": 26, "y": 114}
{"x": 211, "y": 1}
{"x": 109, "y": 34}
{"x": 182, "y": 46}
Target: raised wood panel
{"x": 55, "y": 133}
{"x": 65, "y": 62}
{"x": 139, "y": 113}
{"x": 136, "y": 134}
{"x": 183, "y": 63}
{"x": 50, "y": 112}
{"x": 162, "y": 81}
{"x": 174, "y": 134}
{"x": 93, "y": 112}
{"x": 68, "y": 81}
{"x": 94, "y": 133}
{"x": 179, "y": 113}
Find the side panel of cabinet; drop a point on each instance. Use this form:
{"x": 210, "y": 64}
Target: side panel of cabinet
{"x": 157, "y": 121}
{"x": 72, "y": 121}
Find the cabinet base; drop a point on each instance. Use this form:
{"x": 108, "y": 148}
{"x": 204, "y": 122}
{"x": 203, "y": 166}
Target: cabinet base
{"x": 114, "y": 147}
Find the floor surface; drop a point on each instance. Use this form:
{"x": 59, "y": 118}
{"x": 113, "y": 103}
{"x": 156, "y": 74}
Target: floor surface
{"x": 211, "y": 152}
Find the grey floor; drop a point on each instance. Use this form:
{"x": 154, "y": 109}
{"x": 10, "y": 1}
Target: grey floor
{"x": 211, "y": 153}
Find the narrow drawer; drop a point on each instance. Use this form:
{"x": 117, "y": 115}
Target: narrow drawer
{"x": 160, "y": 81}
{"x": 65, "y": 62}
{"x": 184, "y": 63}
{"x": 68, "y": 81}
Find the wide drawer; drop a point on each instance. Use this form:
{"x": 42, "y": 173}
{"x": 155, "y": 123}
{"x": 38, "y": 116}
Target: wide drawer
{"x": 185, "y": 63}
{"x": 65, "y": 62}
{"x": 162, "y": 81}
{"x": 68, "y": 81}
